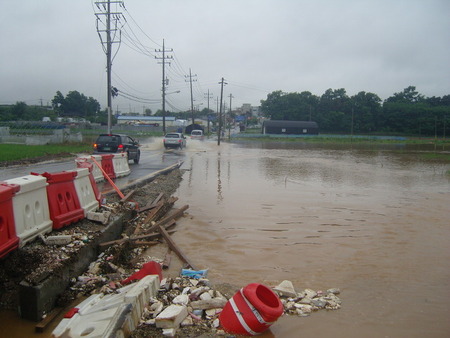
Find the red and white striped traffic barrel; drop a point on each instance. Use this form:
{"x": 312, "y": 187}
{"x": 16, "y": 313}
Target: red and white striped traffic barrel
{"x": 251, "y": 310}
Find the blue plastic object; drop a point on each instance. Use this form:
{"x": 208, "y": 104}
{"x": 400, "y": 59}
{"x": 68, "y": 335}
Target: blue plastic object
{"x": 194, "y": 273}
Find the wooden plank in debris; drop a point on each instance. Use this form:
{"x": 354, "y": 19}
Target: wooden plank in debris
{"x": 145, "y": 242}
{"x": 152, "y": 204}
{"x": 178, "y": 213}
{"x": 136, "y": 238}
{"x": 127, "y": 196}
{"x": 174, "y": 247}
{"x": 167, "y": 259}
{"x": 153, "y": 213}
{"x": 42, "y": 325}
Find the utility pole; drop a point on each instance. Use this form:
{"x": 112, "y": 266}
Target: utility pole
{"x": 106, "y": 5}
{"x": 164, "y": 58}
{"x": 208, "y": 96}
{"x": 192, "y": 98}
{"x": 229, "y": 118}
{"x": 222, "y": 83}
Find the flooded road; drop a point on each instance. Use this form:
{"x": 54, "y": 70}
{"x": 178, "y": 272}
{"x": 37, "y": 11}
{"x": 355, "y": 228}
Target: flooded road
{"x": 374, "y": 223}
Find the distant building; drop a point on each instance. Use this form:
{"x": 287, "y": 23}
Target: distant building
{"x": 290, "y": 127}
{"x": 146, "y": 120}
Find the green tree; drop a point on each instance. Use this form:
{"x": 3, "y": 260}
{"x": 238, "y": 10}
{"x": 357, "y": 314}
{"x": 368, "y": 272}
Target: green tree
{"x": 76, "y": 104}
{"x": 335, "y": 111}
{"x": 19, "y": 111}
{"x": 366, "y": 112}
{"x": 289, "y": 106}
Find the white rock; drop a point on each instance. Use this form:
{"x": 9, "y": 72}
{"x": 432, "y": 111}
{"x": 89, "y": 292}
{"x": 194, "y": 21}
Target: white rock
{"x": 181, "y": 300}
{"x": 169, "y": 332}
{"x": 285, "y": 288}
{"x": 216, "y": 323}
{"x": 205, "y": 296}
{"x": 156, "y": 308}
{"x": 171, "y": 317}
{"x": 188, "y": 321}
{"x": 309, "y": 293}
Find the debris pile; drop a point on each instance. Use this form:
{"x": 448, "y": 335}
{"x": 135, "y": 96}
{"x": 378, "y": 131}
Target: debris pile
{"x": 187, "y": 306}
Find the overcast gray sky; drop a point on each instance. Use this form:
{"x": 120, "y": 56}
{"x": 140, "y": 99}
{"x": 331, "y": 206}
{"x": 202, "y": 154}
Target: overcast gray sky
{"x": 258, "y": 46}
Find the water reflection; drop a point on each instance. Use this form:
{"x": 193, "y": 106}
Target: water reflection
{"x": 371, "y": 221}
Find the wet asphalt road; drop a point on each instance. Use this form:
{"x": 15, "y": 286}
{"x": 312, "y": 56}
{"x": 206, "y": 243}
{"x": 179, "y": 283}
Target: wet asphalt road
{"x": 151, "y": 162}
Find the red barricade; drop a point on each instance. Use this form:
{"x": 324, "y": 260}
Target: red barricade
{"x": 90, "y": 166}
{"x": 8, "y": 237}
{"x": 63, "y": 201}
{"x": 108, "y": 166}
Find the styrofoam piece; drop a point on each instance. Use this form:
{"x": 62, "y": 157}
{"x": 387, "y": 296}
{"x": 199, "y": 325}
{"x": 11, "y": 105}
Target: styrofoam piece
{"x": 120, "y": 164}
{"x": 96, "y": 171}
{"x": 30, "y": 205}
{"x": 85, "y": 191}
{"x": 111, "y": 315}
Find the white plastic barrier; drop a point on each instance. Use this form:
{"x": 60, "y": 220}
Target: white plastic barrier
{"x": 30, "y": 206}
{"x": 85, "y": 191}
{"x": 104, "y": 316}
{"x": 98, "y": 175}
{"x": 120, "y": 163}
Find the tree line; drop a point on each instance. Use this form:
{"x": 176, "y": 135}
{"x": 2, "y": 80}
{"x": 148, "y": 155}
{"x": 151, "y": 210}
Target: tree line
{"x": 406, "y": 112}
{"x": 74, "y": 104}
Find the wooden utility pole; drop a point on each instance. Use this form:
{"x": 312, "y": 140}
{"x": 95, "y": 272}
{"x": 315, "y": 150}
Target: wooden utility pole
{"x": 192, "y": 97}
{"x": 209, "y": 96}
{"x": 229, "y": 118}
{"x": 222, "y": 83}
{"x": 105, "y": 9}
{"x": 163, "y": 62}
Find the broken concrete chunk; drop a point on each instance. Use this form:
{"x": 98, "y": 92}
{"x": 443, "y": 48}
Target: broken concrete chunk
{"x": 171, "y": 317}
{"x": 285, "y": 288}
{"x": 58, "y": 240}
{"x": 181, "y": 300}
{"x": 102, "y": 217}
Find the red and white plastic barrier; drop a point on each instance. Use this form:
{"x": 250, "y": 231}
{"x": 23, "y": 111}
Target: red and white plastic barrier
{"x": 35, "y": 204}
{"x": 98, "y": 315}
{"x": 63, "y": 201}
{"x": 96, "y": 171}
{"x": 30, "y": 207}
{"x": 114, "y": 165}
{"x": 120, "y": 165}
{"x": 89, "y": 201}
{"x": 8, "y": 237}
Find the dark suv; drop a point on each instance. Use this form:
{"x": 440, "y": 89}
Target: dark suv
{"x": 118, "y": 143}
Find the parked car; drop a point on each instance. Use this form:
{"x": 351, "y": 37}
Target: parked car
{"x": 197, "y": 134}
{"x": 174, "y": 140}
{"x": 118, "y": 143}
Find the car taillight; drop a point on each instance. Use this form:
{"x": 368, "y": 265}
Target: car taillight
{"x": 120, "y": 147}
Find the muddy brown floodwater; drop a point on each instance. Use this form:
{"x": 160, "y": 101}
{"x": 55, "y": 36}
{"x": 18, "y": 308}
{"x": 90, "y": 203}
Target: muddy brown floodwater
{"x": 373, "y": 222}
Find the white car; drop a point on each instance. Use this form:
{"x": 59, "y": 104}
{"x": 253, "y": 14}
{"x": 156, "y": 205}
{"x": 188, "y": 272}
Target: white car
{"x": 197, "y": 134}
{"x": 174, "y": 140}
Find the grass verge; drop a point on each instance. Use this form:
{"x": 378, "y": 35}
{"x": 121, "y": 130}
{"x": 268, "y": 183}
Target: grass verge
{"x": 15, "y": 152}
